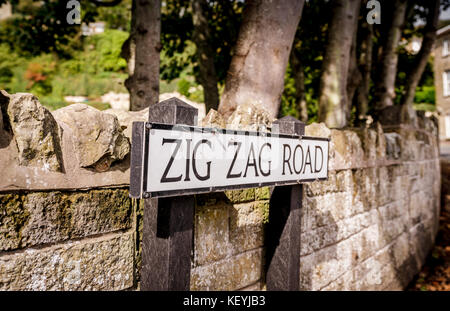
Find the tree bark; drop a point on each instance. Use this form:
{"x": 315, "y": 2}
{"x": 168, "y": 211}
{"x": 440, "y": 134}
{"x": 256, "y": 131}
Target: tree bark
{"x": 365, "y": 65}
{"x": 299, "y": 78}
{"x": 428, "y": 40}
{"x": 256, "y": 73}
{"x": 333, "y": 98}
{"x": 385, "y": 83}
{"x": 143, "y": 83}
{"x": 205, "y": 55}
{"x": 128, "y": 51}
{"x": 354, "y": 77}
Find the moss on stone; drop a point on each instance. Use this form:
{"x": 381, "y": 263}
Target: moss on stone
{"x": 239, "y": 196}
{"x": 263, "y": 208}
{"x": 13, "y": 217}
{"x": 35, "y": 218}
{"x": 262, "y": 193}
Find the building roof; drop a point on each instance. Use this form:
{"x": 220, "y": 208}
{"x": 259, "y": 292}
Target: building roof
{"x": 443, "y": 30}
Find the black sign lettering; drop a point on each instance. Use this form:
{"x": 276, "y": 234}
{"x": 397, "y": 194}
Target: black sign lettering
{"x": 164, "y": 178}
{"x": 253, "y": 163}
{"x": 188, "y": 153}
{"x": 308, "y": 156}
{"x": 208, "y": 164}
{"x": 315, "y": 159}
{"x": 295, "y": 159}
{"x": 238, "y": 144}
{"x": 267, "y": 173}
{"x": 286, "y": 147}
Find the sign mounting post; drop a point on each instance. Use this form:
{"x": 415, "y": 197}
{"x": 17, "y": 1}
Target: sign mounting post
{"x": 172, "y": 160}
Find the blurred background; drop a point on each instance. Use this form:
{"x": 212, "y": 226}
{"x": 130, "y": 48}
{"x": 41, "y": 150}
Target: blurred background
{"x": 61, "y": 63}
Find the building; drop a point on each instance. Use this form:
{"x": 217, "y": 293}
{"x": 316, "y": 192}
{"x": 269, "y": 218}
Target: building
{"x": 442, "y": 80}
{"x": 5, "y": 11}
{"x": 93, "y": 28}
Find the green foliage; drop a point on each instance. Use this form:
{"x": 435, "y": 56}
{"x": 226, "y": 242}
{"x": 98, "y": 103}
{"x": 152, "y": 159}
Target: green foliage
{"x": 425, "y": 98}
{"x": 92, "y": 71}
{"x": 40, "y": 27}
{"x": 10, "y": 64}
{"x": 183, "y": 86}
{"x": 224, "y": 19}
{"x": 309, "y": 46}
{"x": 101, "y": 53}
{"x": 116, "y": 17}
{"x": 289, "y": 104}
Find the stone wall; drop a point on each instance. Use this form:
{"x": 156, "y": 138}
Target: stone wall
{"x": 67, "y": 223}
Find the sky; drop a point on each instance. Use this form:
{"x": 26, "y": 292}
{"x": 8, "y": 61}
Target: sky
{"x": 445, "y": 14}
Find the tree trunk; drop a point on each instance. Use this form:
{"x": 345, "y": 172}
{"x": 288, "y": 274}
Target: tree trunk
{"x": 299, "y": 78}
{"x": 385, "y": 83}
{"x": 428, "y": 40}
{"x": 143, "y": 83}
{"x": 354, "y": 77}
{"x": 365, "y": 65}
{"x": 333, "y": 99}
{"x": 205, "y": 55}
{"x": 256, "y": 73}
{"x": 128, "y": 51}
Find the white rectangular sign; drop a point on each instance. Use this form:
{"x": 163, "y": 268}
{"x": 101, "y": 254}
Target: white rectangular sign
{"x": 183, "y": 159}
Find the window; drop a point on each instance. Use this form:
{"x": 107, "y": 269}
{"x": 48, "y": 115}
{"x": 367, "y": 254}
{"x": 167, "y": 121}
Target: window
{"x": 445, "y": 48}
{"x": 447, "y": 126}
{"x": 446, "y": 83}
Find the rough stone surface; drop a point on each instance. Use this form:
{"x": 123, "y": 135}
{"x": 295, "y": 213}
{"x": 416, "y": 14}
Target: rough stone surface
{"x": 213, "y": 119}
{"x": 318, "y": 130}
{"x": 36, "y": 133}
{"x": 104, "y": 263}
{"x": 98, "y": 137}
{"x": 28, "y": 219}
{"x": 126, "y": 119}
{"x": 250, "y": 117}
{"x": 230, "y": 274}
{"x": 224, "y": 229}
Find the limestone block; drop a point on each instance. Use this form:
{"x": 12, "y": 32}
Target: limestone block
{"x": 317, "y": 130}
{"x": 344, "y": 181}
{"x": 12, "y": 218}
{"x": 393, "y": 143}
{"x": 419, "y": 244}
{"x": 365, "y": 187}
{"x": 322, "y": 267}
{"x": 418, "y": 206}
{"x": 49, "y": 217}
{"x": 104, "y": 263}
{"x": 213, "y": 119}
{"x": 328, "y": 209}
{"x": 126, "y": 119}
{"x": 36, "y": 133}
{"x": 262, "y": 193}
{"x": 247, "y": 224}
{"x": 368, "y": 139}
{"x": 345, "y": 150}
{"x": 381, "y": 142}
{"x": 400, "y": 250}
{"x": 250, "y": 117}
{"x": 98, "y": 138}
{"x": 211, "y": 239}
{"x": 335, "y": 231}
{"x": 233, "y": 273}
{"x": 321, "y": 187}
{"x": 242, "y": 195}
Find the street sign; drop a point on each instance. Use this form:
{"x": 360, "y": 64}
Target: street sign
{"x": 181, "y": 159}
